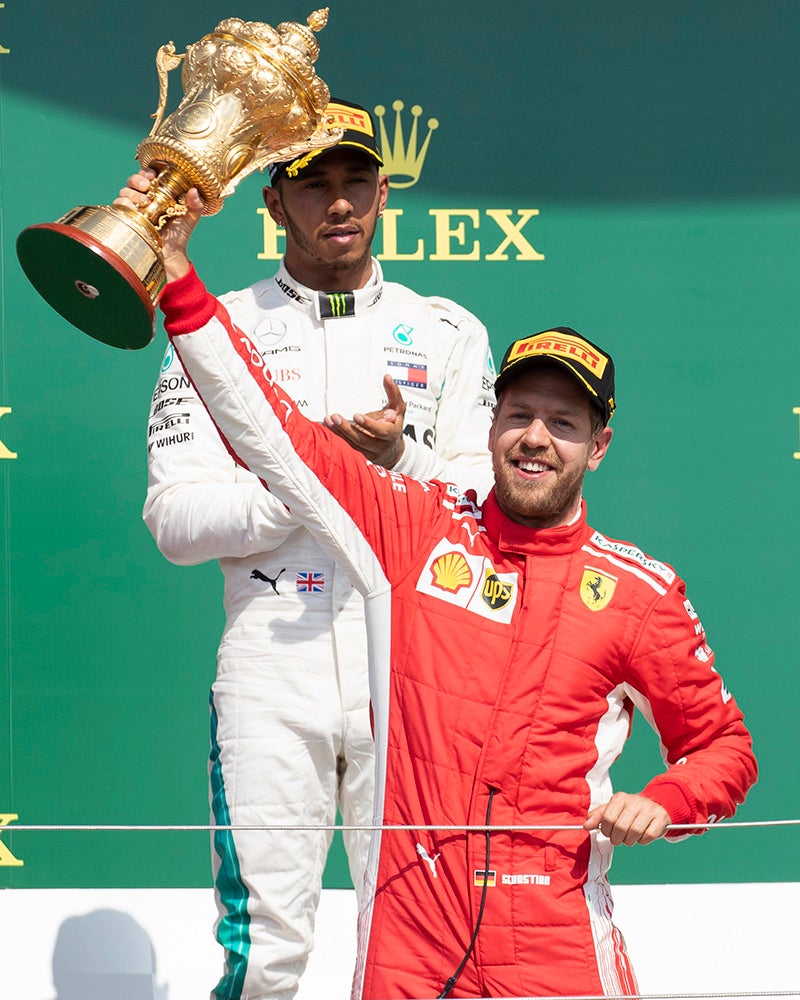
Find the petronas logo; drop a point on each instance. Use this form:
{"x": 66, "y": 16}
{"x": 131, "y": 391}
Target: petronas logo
{"x": 403, "y": 158}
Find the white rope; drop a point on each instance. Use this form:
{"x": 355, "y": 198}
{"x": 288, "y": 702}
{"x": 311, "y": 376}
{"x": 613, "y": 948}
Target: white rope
{"x": 658, "y": 996}
{"x": 332, "y": 828}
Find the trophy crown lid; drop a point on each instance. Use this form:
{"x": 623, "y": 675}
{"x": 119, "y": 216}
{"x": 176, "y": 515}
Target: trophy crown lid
{"x": 317, "y": 19}
{"x": 301, "y": 36}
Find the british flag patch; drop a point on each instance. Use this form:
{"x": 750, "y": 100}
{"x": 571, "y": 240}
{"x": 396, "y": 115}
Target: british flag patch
{"x": 310, "y": 583}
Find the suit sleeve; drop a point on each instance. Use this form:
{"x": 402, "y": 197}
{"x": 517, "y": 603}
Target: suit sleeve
{"x": 200, "y": 505}
{"x": 464, "y": 411}
{"x": 705, "y": 743}
{"x": 368, "y": 519}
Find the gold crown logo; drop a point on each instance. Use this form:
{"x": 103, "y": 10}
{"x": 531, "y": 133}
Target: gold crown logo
{"x": 403, "y": 161}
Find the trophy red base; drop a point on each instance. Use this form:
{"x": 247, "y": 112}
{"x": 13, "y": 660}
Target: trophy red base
{"x": 101, "y": 269}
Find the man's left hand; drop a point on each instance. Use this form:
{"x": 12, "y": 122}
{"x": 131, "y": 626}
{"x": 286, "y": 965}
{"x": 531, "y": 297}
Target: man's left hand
{"x": 629, "y": 819}
{"x": 379, "y": 434}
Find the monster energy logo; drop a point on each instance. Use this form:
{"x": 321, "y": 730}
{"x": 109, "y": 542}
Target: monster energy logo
{"x": 336, "y": 304}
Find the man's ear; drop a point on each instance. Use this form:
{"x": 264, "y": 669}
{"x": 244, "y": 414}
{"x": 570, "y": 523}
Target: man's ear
{"x": 272, "y": 200}
{"x": 383, "y": 187}
{"x": 599, "y": 448}
{"x": 491, "y": 430}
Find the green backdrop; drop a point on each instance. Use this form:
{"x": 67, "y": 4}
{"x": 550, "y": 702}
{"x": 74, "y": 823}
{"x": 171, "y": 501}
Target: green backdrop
{"x": 645, "y": 159}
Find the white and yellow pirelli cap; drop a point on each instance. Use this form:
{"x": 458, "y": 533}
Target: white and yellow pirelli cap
{"x": 590, "y": 364}
{"x": 359, "y": 133}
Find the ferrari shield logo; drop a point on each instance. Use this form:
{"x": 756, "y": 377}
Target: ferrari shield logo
{"x": 597, "y": 588}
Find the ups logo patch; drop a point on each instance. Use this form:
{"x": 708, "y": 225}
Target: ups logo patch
{"x": 496, "y": 593}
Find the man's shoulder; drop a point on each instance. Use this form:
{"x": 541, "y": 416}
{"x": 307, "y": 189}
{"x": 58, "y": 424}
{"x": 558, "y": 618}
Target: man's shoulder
{"x": 260, "y": 288}
{"x": 628, "y": 559}
{"x": 439, "y": 308}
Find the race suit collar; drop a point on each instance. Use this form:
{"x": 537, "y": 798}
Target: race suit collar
{"x": 513, "y": 537}
{"x": 324, "y": 305}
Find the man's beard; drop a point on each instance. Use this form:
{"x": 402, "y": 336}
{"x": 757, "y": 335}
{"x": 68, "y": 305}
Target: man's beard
{"x": 535, "y": 503}
{"x": 345, "y": 262}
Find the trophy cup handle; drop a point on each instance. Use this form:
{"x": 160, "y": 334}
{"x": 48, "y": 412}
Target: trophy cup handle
{"x": 320, "y": 138}
{"x": 166, "y": 60}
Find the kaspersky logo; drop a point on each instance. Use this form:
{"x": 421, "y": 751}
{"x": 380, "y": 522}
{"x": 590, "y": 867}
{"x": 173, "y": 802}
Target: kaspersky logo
{"x": 447, "y": 234}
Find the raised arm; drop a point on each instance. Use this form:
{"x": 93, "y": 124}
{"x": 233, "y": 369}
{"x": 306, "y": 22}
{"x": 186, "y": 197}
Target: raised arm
{"x": 365, "y": 517}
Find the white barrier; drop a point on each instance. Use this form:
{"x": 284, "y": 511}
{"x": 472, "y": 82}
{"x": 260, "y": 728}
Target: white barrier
{"x": 156, "y": 944}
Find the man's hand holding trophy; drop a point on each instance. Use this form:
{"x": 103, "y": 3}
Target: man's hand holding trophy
{"x": 251, "y": 96}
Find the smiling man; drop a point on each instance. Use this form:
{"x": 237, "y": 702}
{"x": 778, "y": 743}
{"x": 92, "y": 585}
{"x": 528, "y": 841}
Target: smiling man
{"x": 542, "y": 446}
{"x": 291, "y": 737}
{"x": 511, "y": 643}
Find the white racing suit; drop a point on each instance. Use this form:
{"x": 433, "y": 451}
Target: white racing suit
{"x": 291, "y": 736}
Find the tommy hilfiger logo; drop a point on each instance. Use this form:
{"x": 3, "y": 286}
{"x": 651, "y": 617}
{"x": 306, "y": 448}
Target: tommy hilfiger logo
{"x": 403, "y": 160}
{"x": 414, "y": 376}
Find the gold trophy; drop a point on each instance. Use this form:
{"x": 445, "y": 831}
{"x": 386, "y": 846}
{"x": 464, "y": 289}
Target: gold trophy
{"x": 251, "y": 97}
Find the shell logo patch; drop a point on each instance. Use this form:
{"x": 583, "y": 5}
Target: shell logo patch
{"x": 451, "y": 572}
{"x": 597, "y": 588}
{"x": 468, "y": 580}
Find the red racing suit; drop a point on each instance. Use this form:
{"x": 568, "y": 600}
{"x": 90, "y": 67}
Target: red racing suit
{"x": 505, "y": 666}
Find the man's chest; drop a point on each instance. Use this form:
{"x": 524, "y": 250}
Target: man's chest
{"x": 338, "y": 365}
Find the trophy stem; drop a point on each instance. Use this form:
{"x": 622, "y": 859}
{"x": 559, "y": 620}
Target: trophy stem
{"x": 166, "y": 194}
{"x": 251, "y": 95}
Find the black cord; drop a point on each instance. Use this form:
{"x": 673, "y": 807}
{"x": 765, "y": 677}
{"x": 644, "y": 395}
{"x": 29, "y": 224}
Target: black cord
{"x": 451, "y": 982}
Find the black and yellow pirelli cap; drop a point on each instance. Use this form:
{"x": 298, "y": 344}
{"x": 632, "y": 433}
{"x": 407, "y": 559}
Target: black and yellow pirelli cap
{"x": 359, "y": 133}
{"x": 590, "y": 364}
